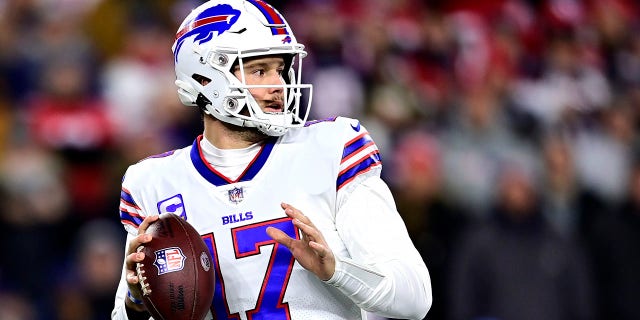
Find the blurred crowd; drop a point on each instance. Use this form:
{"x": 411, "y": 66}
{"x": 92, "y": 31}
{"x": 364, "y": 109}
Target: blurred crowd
{"x": 509, "y": 131}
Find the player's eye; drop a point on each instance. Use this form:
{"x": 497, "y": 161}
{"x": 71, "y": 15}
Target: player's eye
{"x": 258, "y": 72}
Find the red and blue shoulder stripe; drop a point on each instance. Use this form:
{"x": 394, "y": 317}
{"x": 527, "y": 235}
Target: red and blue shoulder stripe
{"x": 360, "y": 155}
{"x": 129, "y": 210}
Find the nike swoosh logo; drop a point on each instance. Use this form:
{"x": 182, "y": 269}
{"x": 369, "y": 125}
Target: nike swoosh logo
{"x": 356, "y": 127}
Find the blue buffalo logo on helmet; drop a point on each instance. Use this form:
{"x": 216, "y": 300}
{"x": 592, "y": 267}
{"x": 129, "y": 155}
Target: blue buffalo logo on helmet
{"x": 218, "y": 19}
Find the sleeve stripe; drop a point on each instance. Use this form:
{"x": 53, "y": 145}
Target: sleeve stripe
{"x": 346, "y": 157}
{"x": 130, "y": 223}
{"x": 129, "y": 209}
{"x": 125, "y": 203}
{"x": 375, "y": 155}
{"x": 360, "y": 167}
{"x": 130, "y": 218}
{"x": 354, "y": 158}
{"x": 355, "y": 145}
{"x": 125, "y": 196}
{"x": 126, "y": 210}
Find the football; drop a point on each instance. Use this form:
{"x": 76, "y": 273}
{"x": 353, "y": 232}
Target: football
{"x": 176, "y": 275}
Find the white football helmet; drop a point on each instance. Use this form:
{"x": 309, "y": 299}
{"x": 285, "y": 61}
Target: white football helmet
{"x": 218, "y": 35}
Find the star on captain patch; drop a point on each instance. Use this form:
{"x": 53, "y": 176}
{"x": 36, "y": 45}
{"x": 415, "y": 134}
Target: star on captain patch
{"x": 236, "y": 195}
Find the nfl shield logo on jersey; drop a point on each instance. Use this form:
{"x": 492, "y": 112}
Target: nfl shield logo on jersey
{"x": 236, "y": 195}
{"x": 169, "y": 260}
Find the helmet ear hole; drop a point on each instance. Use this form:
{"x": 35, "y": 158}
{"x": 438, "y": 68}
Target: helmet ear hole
{"x": 202, "y": 80}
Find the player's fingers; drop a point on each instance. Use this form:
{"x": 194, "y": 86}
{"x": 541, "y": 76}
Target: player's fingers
{"x": 319, "y": 249}
{"x": 290, "y": 211}
{"x": 310, "y": 232}
{"x": 137, "y": 241}
{"x": 142, "y": 237}
{"x": 304, "y": 237}
{"x": 132, "y": 277}
{"x": 148, "y": 220}
{"x": 294, "y": 213}
{"x": 135, "y": 257}
{"x": 130, "y": 263}
{"x": 280, "y": 237}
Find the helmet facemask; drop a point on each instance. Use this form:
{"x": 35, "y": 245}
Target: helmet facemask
{"x": 241, "y": 104}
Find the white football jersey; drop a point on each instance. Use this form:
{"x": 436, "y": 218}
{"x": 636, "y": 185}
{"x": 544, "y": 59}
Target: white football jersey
{"x": 311, "y": 168}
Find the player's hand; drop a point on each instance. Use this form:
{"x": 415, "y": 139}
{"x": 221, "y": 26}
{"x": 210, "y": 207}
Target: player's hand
{"x": 312, "y": 251}
{"x": 133, "y": 257}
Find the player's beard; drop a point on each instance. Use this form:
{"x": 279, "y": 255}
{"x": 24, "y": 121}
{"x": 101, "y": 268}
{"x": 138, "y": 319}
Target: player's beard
{"x": 249, "y": 134}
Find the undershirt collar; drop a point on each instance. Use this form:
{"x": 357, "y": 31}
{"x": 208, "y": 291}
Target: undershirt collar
{"x": 229, "y": 162}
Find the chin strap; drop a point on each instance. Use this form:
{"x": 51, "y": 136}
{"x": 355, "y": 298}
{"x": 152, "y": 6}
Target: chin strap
{"x": 202, "y": 102}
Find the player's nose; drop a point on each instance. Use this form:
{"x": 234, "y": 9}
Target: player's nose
{"x": 276, "y": 80}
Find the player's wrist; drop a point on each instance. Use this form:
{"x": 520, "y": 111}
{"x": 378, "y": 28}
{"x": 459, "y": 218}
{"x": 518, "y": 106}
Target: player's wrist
{"x": 135, "y": 305}
{"x": 134, "y": 299}
{"x": 133, "y": 312}
{"x": 337, "y": 272}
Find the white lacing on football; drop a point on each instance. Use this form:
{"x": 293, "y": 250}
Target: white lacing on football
{"x": 141, "y": 278}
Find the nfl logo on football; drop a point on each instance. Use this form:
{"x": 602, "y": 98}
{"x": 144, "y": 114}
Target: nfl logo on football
{"x": 236, "y": 195}
{"x": 169, "y": 260}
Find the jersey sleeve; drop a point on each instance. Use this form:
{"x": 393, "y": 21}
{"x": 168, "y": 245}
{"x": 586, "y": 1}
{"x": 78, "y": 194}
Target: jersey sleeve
{"x": 384, "y": 272}
{"x": 138, "y": 185}
{"x": 119, "y": 311}
{"x": 359, "y": 159}
{"x": 131, "y": 213}
{"x": 131, "y": 216}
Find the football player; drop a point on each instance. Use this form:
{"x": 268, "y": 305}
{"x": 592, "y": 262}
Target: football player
{"x": 299, "y": 223}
